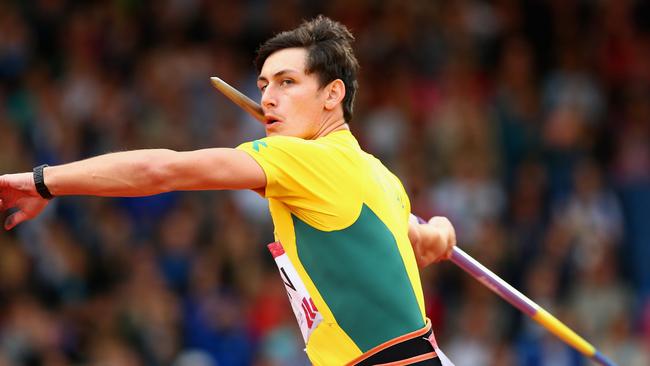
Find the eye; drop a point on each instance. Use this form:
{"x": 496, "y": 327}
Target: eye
{"x": 286, "y": 82}
{"x": 262, "y": 87}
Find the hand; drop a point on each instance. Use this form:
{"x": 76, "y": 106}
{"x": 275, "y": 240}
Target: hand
{"x": 447, "y": 236}
{"x": 432, "y": 242}
{"x": 18, "y": 191}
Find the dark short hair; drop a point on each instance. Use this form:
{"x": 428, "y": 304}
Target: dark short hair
{"x": 329, "y": 54}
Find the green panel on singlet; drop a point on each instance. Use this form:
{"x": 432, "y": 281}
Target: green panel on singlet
{"x": 361, "y": 276}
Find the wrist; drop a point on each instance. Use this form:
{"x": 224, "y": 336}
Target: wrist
{"x": 39, "y": 182}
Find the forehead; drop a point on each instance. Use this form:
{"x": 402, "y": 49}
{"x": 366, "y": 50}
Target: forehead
{"x": 285, "y": 59}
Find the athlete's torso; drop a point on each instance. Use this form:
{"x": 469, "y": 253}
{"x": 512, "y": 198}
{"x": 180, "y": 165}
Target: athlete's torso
{"x": 342, "y": 219}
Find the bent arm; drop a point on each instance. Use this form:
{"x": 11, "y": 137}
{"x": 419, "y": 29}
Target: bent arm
{"x": 433, "y": 241}
{"x": 148, "y": 172}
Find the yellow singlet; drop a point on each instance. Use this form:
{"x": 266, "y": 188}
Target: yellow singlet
{"x": 342, "y": 219}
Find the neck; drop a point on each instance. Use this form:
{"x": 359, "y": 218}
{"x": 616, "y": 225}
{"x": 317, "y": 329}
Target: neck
{"x": 329, "y": 126}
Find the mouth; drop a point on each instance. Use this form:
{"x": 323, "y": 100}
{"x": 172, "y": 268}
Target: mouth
{"x": 271, "y": 120}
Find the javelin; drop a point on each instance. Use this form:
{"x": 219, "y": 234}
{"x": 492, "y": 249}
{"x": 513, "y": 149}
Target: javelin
{"x": 466, "y": 262}
{"x": 240, "y": 99}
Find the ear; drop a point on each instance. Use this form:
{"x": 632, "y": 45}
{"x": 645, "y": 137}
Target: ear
{"x": 335, "y": 92}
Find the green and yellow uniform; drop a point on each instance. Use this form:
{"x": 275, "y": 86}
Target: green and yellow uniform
{"x": 342, "y": 219}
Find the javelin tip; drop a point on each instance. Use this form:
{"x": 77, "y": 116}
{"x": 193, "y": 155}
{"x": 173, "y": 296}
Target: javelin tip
{"x": 602, "y": 359}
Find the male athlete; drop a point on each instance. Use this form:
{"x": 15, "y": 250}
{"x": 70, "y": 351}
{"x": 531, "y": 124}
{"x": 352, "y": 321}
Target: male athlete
{"x": 345, "y": 245}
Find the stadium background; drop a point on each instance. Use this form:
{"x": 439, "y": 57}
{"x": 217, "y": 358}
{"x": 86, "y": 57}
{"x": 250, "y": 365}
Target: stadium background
{"x": 527, "y": 123}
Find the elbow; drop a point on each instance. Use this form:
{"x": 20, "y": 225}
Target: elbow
{"x": 157, "y": 170}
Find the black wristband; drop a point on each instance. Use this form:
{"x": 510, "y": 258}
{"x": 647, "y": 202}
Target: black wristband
{"x": 39, "y": 182}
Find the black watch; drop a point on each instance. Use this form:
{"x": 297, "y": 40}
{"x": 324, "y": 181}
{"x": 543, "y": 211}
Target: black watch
{"x": 39, "y": 182}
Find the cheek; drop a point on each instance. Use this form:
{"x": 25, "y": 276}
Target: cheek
{"x": 311, "y": 109}
{"x": 302, "y": 111}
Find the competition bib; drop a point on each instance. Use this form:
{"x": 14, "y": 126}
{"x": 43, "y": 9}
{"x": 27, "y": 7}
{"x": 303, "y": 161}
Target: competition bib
{"x": 306, "y": 313}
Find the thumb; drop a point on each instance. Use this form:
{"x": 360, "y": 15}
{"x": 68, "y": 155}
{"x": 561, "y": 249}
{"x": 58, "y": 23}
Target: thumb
{"x": 15, "y": 219}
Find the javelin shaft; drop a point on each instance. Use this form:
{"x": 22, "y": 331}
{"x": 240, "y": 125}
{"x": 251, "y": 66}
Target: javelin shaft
{"x": 466, "y": 262}
{"x": 527, "y": 306}
{"x": 239, "y": 98}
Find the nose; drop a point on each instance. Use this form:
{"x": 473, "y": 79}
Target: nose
{"x": 268, "y": 98}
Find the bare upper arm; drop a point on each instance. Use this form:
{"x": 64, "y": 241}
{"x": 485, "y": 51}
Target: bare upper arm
{"x": 215, "y": 168}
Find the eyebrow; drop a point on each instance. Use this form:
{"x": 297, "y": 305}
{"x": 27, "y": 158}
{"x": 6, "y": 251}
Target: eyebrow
{"x": 277, "y": 74}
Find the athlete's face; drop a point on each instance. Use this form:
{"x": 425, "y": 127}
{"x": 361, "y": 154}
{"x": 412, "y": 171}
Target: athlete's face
{"x": 293, "y": 101}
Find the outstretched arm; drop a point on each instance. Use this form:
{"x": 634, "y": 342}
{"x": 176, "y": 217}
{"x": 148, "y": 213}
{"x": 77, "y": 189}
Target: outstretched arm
{"x": 433, "y": 241}
{"x": 130, "y": 174}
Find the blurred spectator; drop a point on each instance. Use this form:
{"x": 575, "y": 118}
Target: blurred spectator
{"x": 469, "y": 196}
{"x": 516, "y": 107}
{"x": 592, "y": 214}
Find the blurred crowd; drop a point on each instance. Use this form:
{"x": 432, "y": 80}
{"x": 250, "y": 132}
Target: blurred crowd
{"x": 527, "y": 123}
